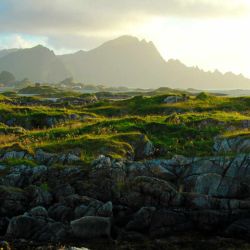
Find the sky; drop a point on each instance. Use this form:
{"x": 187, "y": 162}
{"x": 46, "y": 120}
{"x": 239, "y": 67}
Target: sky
{"x": 210, "y": 34}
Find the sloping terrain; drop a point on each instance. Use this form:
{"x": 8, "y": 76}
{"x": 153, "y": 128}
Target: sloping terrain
{"x": 125, "y": 61}
{"x": 146, "y": 169}
{"x": 37, "y": 64}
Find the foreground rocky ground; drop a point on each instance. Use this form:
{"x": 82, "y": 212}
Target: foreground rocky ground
{"x": 183, "y": 242}
{"x": 105, "y": 174}
{"x": 151, "y": 202}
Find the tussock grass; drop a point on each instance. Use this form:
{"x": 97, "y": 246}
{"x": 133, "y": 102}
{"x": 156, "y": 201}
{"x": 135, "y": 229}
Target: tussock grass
{"x": 112, "y": 127}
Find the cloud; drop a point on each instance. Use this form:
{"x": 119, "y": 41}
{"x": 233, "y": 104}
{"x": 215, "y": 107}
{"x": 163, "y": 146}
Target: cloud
{"x": 20, "y": 41}
{"x": 74, "y": 22}
{"x": 86, "y": 16}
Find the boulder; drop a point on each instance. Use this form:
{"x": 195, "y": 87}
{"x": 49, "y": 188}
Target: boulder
{"x": 53, "y": 232}
{"x": 238, "y": 144}
{"x": 105, "y": 210}
{"x": 13, "y": 201}
{"x": 102, "y": 162}
{"x": 71, "y": 158}
{"x": 45, "y": 157}
{"x": 23, "y": 175}
{"x": 143, "y": 147}
{"x": 93, "y": 207}
{"x": 91, "y": 227}
{"x": 239, "y": 228}
{"x": 209, "y": 220}
{"x": 60, "y": 212}
{"x": 13, "y": 155}
{"x": 39, "y": 212}
{"x": 159, "y": 191}
{"x": 23, "y": 227}
{"x": 62, "y": 191}
{"x": 4, "y": 222}
{"x": 80, "y": 211}
{"x": 166, "y": 222}
{"x": 36, "y": 228}
{"x": 38, "y": 196}
{"x": 141, "y": 220}
{"x": 173, "y": 99}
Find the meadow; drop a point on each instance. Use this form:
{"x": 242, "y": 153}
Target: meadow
{"x": 114, "y": 127}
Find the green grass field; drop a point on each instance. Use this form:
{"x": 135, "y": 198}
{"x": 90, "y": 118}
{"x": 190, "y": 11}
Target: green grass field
{"x": 113, "y": 127}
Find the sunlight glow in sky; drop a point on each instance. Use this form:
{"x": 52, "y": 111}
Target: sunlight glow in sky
{"x": 210, "y": 34}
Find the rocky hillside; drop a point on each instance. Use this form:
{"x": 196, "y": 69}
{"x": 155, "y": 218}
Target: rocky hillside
{"x": 126, "y": 200}
{"x": 125, "y": 61}
{"x": 37, "y": 64}
{"x": 130, "y": 62}
{"x": 156, "y": 172}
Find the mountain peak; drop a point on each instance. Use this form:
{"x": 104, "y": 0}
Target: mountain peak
{"x": 41, "y": 49}
{"x": 127, "y": 40}
{"x": 39, "y": 46}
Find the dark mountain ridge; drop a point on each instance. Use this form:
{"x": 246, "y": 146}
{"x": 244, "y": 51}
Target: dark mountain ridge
{"x": 125, "y": 61}
{"x": 37, "y": 63}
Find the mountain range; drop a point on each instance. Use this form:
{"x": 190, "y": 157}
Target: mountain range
{"x": 125, "y": 61}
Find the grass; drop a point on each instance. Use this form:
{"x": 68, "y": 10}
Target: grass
{"x": 113, "y": 127}
{"x": 18, "y": 162}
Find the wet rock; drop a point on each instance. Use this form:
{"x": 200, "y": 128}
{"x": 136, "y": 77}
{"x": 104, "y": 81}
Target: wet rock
{"x": 38, "y": 196}
{"x": 131, "y": 236}
{"x": 39, "y": 212}
{"x": 93, "y": 207}
{"x": 143, "y": 148}
{"x": 122, "y": 215}
{"x": 36, "y": 228}
{"x": 165, "y": 222}
{"x": 63, "y": 191}
{"x": 102, "y": 162}
{"x": 13, "y": 155}
{"x": 44, "y": 157}
{"x": 23, "y": 227}
{"x": 4, "y": 222}
{"x": 159, "y": 191}
{"x": 245, "y": 124}
{"x": 71, "y": 158}
{"x": 106, "y": 210}
{"x": 237, "y": 144}
{"x": 136, "y": 169}
{"x": 210, "y": 220}
{"x": 50, "y": 122}
{"x": 173, "y": 99}
{"x": 141, "y": 220}
{"x": 60, "y": 212}
{"x": 239, "y": 228}
{"x": 13, "y": 201}
{"x": 80, "y": 211}
{"x": 11, "y": 122}
{"x": 91, "y": 227}
{"x": 53, "y": 232}
{"x": 22, "y": 175}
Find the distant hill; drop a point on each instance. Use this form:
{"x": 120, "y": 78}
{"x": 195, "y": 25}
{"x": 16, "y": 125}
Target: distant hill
{"x": 125, "y": 61}
{"x": 6, "y": 78}
{"x": 134, "y": 63}
{"x": 38, "y": 64}
{"x": 6, "y": 52}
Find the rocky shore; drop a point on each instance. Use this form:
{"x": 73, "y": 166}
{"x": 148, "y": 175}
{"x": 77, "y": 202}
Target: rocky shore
{"x": 149, "y": 202}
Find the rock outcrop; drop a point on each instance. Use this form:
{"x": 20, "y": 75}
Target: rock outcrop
{"x": 126, "y": 199}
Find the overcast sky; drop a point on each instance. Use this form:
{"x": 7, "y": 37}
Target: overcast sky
{"x": 207, "y": 33}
